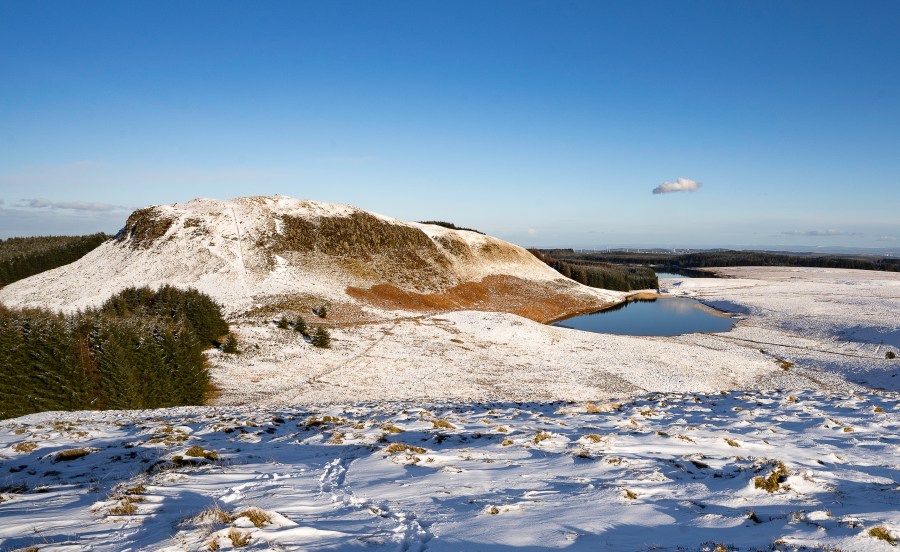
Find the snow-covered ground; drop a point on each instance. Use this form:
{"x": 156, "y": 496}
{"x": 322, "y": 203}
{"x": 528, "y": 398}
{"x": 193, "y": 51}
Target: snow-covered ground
{"x": 666, "y": 472}
{"x": 792, "y": 335}
{"x": 834, "y": 325}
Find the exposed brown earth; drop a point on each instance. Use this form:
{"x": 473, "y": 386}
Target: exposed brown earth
{"x": 538, "y": 301}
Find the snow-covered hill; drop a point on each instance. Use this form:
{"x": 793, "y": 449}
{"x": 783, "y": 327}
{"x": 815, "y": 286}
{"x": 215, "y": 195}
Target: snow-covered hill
{"x": 270, "y": 254}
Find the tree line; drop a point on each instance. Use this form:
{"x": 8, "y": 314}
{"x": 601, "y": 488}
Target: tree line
{"x": 24, "y": 257}
{"x": 730, "y": 258}
{"x": 602, "y": 275}
{"x": 143, "y": 348}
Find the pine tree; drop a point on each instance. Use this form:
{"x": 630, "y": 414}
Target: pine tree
{"x": 300, "y": 326}
{"x": 321, "y": 338}
{"x": 116, "y": 350}
{"x": 230, "y": 345}
{"x": 15, "y": 383}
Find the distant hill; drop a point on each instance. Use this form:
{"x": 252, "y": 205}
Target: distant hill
{"x": 257, "y": 256}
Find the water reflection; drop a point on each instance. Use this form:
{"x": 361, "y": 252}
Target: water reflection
{"x": 664, "y": 317}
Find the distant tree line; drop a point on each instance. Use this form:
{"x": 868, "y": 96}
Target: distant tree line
{"x": 141, "y": 349}
{"x": 24, "y": 257}
{"x": 602, "y": 275}
{"x": 450, "y": 225}
{"x": 729, "y": 258}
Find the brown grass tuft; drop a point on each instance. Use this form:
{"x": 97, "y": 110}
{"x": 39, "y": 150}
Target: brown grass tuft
{"x": 71, "y": 454}
{"x": 25, "y": 446}
{"x": 773, "y": 482}
{"x": 238, "y": 538}
{"x": 883, "y": 534}
{"x": 256, "y": 516}
{"x": 403, "y": 447}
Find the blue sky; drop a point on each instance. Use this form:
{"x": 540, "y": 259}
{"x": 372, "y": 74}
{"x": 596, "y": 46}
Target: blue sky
{"x": 544, "y": 123}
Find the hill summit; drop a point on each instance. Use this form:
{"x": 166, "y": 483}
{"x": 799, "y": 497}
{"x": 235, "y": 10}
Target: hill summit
{"x": 270, "y": 254}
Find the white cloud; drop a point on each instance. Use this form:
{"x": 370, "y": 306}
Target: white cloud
{"x": 680, "y": 185}
{"x": 532, "y": 232}
{"x": 41, "y": 203}
{"x": 819, "y": 233}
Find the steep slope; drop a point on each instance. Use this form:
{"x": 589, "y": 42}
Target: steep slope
{"x": 264, "y": 255}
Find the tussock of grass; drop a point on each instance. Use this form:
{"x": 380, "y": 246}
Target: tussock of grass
{"x": 238, "y": 537}
{"x": 324, "y": 420}
{"x": 784, "y": 364}
{"x": 215, "y": 514}
{"x": 541, "y": 436}
{"x": 126, "y": 506}
{"x": 630, "y": 495}
{"x": 391, "y": 428}
{"x": 506, "y": 442}
{"x": 71, "y": 454}
{"x": 25, "y": 446}
{"x": 593, "y": 437}
{"x": 883, "y": 534}
{"x": 137, "y": 489}
{"x": 443, "y": 424}
{"x": 773, "y": 482}
{"x": 256, "y": 516}
{"x": 403, "y": 447}
{"x": 732, "y": 442}
{"x": 197, "y": 451}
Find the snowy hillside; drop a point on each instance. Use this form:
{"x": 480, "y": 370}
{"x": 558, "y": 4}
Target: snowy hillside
{"x": 267, "y": 254}
{"x": 670, "y": 472}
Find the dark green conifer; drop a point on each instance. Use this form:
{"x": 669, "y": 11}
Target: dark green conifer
{"x": 300, "y": 326}
{"x": 230, "y": 345}
{"x": 321, "y": 338}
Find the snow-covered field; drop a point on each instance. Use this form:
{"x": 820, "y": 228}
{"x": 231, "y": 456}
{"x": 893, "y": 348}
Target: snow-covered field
{"x": 793, "y": 334}
{"x": 834, "y": 325}
{"x": 666, "y": 472}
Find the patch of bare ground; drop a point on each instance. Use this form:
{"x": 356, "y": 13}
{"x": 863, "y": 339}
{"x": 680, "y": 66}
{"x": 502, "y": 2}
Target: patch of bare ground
{"x": 538, "y": 301}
